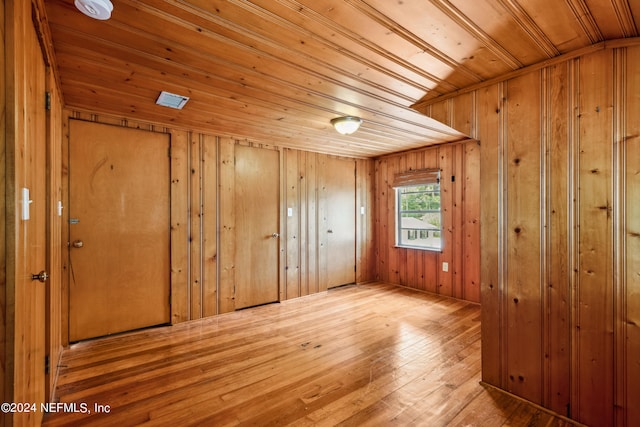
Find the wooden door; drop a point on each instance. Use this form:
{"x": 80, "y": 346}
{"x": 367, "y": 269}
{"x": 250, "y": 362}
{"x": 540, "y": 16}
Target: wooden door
{"x": 257, "y": 225}
{"x": 30, "y": 169}
{"x": 118, "y": 229}
{"x": 340, "y": 223}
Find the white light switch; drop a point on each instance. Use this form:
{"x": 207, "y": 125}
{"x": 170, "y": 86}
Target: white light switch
{"x": 59, "y": 208}
{"x": 445, "y": 266}
{"x": 289, "y": 211}
{"x": 361, "y": 210}
{"x": 26, "y": 202}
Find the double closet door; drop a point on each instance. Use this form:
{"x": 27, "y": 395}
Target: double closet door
{"x": 257, "y": 209}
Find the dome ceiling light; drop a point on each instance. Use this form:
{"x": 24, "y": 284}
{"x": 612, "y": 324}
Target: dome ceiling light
{"x": 346, "y": 125}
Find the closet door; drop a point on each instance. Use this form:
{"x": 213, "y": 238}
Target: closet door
{"x": 257, "y": 225}
{"x": 338, "y": 221}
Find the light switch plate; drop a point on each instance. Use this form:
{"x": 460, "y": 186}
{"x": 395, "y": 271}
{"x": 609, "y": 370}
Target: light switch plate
{"x": 445, "y": 266}
{"x": 25, "y": 204}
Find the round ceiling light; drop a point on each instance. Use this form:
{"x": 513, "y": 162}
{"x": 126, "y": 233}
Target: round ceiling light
{"x": 96, "y": 9}
{"x": 346, "y": 125}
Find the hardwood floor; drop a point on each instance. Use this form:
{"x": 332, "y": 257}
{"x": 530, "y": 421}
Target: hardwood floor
{"x": 359, "y": 355}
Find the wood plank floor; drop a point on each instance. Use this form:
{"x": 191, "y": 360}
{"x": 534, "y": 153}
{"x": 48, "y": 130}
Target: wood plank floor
{"x": 359, "y": 355}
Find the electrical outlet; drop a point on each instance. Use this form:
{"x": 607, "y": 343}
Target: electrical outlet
{"x": 445, "y": 266}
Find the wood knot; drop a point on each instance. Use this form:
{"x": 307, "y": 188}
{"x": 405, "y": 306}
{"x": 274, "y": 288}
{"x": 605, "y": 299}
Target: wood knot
{"x": 517, "y": 230}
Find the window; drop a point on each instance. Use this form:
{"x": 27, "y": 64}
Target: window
{"x": 418, "y": 213}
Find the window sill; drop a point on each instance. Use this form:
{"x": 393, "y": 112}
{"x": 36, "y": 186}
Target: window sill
{"x": 420, "y": 248}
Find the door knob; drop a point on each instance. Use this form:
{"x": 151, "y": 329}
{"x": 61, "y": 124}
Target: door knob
{"x": 42, "y": 276}
{"x": 275, "y": 235}
{"x": 78, "y": 243}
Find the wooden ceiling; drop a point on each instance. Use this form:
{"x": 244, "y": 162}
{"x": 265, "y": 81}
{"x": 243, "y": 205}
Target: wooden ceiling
{"x": 276, "y": 71}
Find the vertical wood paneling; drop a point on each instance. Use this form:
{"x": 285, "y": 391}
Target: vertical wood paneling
{"x": 464, "y": 114}
{"x": 293, "y": 202}
{"x": 179, "y": 227}
{"x": 558, "y": 293}
{"x": 431, "y": 260}
{"x": 488, "y": 127}
{"x": 458, "y": 179}
{"x": 5, "y": 356}
{"x": 393, "y": 257}
{"x": 380, "y": 220}
{"x": 364, "y": 221}
{"x": 323, "y": 259}
{"x": 441, "y": 111}
{"x": 523, "y": 292}
{"x": 631, "y": 312}
{"x": 311, "y": 218}
{"x": 470, "y": 206}
{"x": 227, "y": 251}
{"x": 447, "y": 156}
{"x": 303, "y": 220}
{"x": 209, "y": 225}
{"x": 195, "y": 226}
{"x": 559, "y": 186}
{"x": 595, "y": 294}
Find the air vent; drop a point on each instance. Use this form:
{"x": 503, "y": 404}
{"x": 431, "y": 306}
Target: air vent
{"x": 172, "y": 100}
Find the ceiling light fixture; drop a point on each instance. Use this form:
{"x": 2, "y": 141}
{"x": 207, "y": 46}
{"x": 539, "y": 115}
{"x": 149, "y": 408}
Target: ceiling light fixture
{"x": 96, "y": 9}
{"x": 346, "y": 125}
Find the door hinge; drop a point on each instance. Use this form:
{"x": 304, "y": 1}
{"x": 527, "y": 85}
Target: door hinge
{"x": 47, "y": 101}
{"x": 47, "y": 364}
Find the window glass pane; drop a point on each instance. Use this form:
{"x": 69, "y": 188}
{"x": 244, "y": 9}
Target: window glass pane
{"x": 419, "y": 216}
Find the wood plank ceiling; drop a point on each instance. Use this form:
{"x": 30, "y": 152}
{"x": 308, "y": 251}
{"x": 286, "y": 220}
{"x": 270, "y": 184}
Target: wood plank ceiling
{"x": 277, "y": 71}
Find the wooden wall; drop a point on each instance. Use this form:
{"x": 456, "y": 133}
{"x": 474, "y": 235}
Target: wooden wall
{"x": 202, "y": 220}
{"x": 4, "y": 353}
{"x": 560, "y": 231}
{"x": 460, "y": 197}
{"x": 22, "y": 316}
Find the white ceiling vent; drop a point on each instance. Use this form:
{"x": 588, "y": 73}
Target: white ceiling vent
{"x": 172, "y": 100}
{"x": 96, "y": 9}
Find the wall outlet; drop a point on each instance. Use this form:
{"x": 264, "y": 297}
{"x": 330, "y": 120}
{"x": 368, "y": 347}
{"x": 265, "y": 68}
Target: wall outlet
{"x": 445, "y": 266}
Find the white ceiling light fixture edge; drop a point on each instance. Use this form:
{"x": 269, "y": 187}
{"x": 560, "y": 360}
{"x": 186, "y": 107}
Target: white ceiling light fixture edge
{"x": 96, "y": 9}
